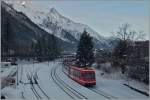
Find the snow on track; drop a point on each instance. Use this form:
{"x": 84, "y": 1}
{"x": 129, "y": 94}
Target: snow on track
{"x": 65, "y": 87}
{"x": 109, "y": 89}
{"x": 45, "y": 80}
{"x": 84, "y": 90}
{"x": 51, "y": 83}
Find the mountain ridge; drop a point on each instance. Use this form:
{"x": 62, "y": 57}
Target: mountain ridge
{"x": 20, "y": 35}
{"x": 54, "y": 22}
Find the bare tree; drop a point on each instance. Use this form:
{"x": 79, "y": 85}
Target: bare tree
{"x": 126, "y": 38}
{"x": 126, "y": 34}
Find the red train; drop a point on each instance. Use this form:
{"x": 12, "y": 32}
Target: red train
{"x": 84, "y": 76}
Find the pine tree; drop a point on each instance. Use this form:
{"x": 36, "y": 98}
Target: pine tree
{"x": 85, "y": 54}
{"x": 50, "y": 48}
{"x": 38, "y": 49}
{"x": 56, "y": 49}
{"x": 5, "y": 41}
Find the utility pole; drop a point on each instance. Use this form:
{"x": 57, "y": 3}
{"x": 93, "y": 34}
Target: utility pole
{"x": 33, "y": 68}
{"x": 21, "y": 73}
{"x": 17, "y": 75}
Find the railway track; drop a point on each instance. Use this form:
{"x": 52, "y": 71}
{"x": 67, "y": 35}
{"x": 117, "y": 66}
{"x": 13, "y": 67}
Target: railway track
{"x": 34, "y": 82}
{"x": 65, "y": 87}
{"x": 33, "y": 88}
{"x": 102, "y": 93}
{"x": 35, "y": 79}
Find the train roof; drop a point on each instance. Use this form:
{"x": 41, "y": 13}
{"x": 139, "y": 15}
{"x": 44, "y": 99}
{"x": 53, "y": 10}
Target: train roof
{"x": 83, "y": 69}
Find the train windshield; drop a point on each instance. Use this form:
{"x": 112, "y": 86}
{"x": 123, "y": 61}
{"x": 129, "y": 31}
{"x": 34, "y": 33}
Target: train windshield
{"x": 88, "y": 75}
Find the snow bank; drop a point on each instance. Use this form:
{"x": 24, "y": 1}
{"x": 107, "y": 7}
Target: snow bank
{"x": 119, "y": 79}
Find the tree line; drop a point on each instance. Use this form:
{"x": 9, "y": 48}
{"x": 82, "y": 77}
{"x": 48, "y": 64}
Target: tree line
{"x": 42, "y": 48}
{"x": 130, "y": 54}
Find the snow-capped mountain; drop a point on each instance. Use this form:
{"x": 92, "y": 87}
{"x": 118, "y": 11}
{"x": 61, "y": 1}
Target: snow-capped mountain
{"x": 27, "y": 8}
{"x": 55, "y": 23}
{"x": 23, "y": 36}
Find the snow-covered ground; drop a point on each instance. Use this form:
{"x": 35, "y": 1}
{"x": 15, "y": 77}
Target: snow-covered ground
{"x": 52, "y": 83}
{"x": 117, "y": 89}
{"x": 123, "y": 79}
{"x": 7, "y": 72}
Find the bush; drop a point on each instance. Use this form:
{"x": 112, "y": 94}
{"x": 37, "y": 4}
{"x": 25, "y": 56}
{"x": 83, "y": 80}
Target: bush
{"x": 106, "y": 67}
{"x": 139, "y": 69}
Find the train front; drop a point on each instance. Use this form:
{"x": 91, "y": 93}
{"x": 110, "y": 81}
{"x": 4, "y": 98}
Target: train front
{"x": 88, "y": 77}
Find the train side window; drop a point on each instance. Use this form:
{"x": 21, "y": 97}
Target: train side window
{"x": 79, "y": 74}
{"x": 74, "y": 73}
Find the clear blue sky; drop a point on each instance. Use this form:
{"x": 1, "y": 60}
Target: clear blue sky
{"x": 103, "y": 16}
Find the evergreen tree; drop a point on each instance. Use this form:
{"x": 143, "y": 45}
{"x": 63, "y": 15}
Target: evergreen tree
{"x": 38, "y": 49}
{"x": 55, "y": 47}
{"x": 85, "y": 54}
{"x": 44, "y": 47}
{"x": 5, "y": 41}
{"x": 50, "y": 48}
